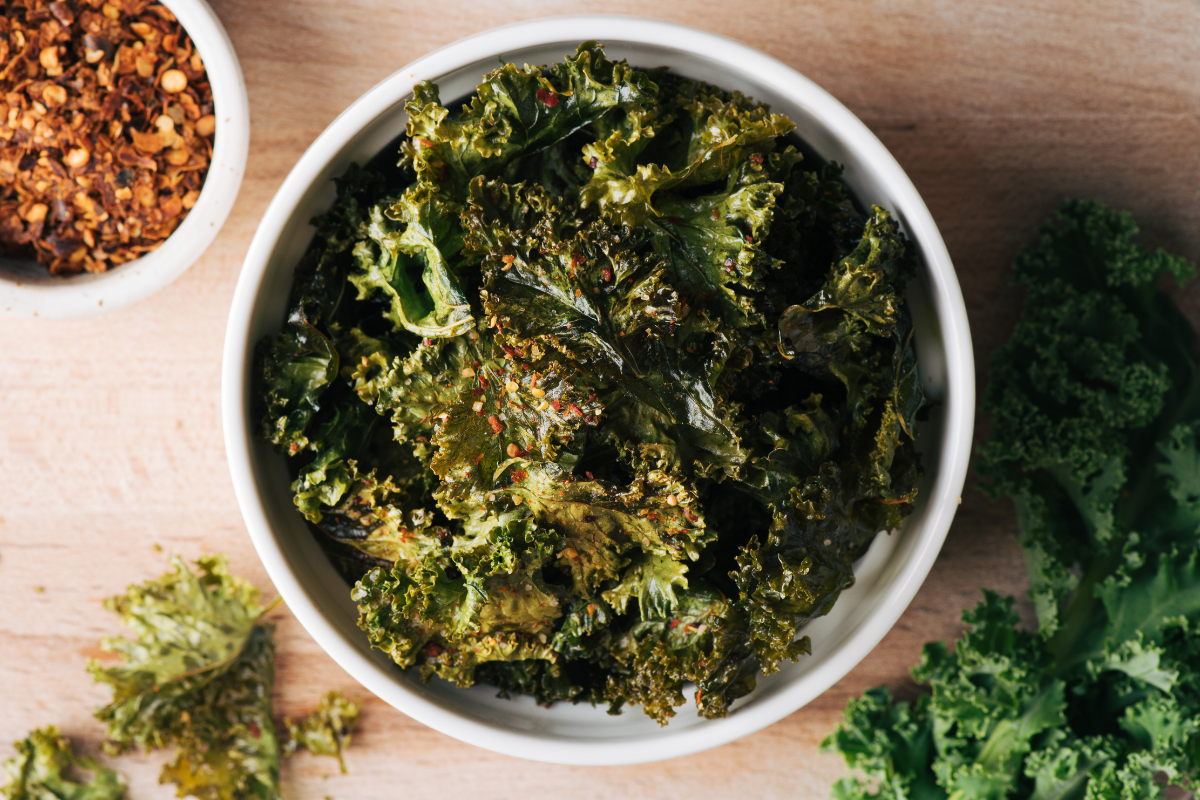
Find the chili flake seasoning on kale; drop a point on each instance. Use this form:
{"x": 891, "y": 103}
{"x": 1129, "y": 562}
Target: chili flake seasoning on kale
{"x": 598, "y": 391}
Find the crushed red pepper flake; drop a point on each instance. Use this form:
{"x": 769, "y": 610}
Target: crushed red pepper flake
{"x": 548, "y": 97}
{"x": 106, "y": 131}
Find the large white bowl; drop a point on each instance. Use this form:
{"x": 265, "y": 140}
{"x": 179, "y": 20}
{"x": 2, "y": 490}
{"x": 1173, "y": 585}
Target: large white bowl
{"x": 887, "y": 578}
{"x": 27, "y": 289}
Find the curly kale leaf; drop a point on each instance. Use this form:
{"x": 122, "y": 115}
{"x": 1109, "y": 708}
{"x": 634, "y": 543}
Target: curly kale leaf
{"x": 1003, "y": 724}
{"x": 656, "y": 513}
{"x": 482, "y": 404}
{"x": 451, "y": 615}
{"x": 319, "y": 287}
{"x": 516, "y": 112}
{"x": 1097, "y": 371}
{"x": 713, "y": 244}
{"x": 651, "y": 583}
{"x": 797, "y": 440}
{"x": 409, "y": 260}
{"x": 297, "y": 367}
{"x": 658, "y": 653}
{"x": 586, "y": 294}
{"x": 344, "y": 433}
{"x": 326, "y": 731}
{"x": 383, "y": 518}
{"x": 891, "y": 743}
{"x": 545, "y": 681}
{"x": 703, "y": 134}
{"x": 1094, "y": 438}
{"x": 197, "y": 677}
{"x": 37, "y": 771}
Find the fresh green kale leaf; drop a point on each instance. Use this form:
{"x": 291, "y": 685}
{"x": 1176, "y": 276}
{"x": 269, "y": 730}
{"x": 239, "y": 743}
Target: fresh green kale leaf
{"x": 891, "y": 743}
{"x": 1094, "y": 438}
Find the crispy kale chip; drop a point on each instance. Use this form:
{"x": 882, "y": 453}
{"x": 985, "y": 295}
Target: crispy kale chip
{"x": 326, "y": 731}
{"x": 1094, "y": 404}
{"x": 198, "y": 677}
{"x": 37, "y": 773}
{"x": 599, "y": 392}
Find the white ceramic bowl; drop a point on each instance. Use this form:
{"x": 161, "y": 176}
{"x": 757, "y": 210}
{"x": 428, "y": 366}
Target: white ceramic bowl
{"x": 887, "y": 577}
{"x": 28, "y": 290}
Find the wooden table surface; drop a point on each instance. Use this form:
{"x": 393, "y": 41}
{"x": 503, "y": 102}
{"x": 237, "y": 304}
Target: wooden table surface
{"x": 110, "y": 429}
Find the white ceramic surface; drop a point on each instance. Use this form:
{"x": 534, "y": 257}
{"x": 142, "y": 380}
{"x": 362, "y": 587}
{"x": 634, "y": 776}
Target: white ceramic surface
{"x": 887, "y": 578}
{"x": 28, "y": 290}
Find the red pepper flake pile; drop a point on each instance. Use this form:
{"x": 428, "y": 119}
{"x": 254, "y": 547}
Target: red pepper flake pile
{"x": 106, "y": 129}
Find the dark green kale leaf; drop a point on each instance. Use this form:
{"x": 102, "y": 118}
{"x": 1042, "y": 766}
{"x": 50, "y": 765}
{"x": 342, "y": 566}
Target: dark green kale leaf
{"x": 384, "y": 518}
{"x": 298, "y": 367}
{"x": 326, "y": 731}
{"x": 324, "y": 480}
{"x": 198, "y": 677}
{"x": 838, "y": 331}
{"x": 419, "y": 231}
{"x": 484, "y": 599}
{"x": 37, "y": 771}
{"x": 664, "y": 648}
{"x": 1094, "y": 437}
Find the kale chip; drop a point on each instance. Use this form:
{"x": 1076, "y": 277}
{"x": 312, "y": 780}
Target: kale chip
{"x": 199, "y": 677}
{"x": 597, "y": 392}
{"x": 37, "y": 771}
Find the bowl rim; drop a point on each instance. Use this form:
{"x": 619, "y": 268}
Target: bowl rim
{"x": 943, "y": 287}
{"x": 28, "y": 290}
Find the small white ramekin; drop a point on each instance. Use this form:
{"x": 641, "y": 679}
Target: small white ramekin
{"x": 27, "y": 289}
{"x": 887, "y": 577}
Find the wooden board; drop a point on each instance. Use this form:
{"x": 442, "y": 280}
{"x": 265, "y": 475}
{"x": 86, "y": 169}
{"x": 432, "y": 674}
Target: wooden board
{"x": 110, "y": 430}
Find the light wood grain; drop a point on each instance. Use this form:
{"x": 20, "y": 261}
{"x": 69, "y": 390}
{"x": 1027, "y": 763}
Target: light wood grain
{"x": 110, "y": 431}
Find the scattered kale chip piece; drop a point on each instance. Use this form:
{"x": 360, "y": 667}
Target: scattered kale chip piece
{"x": 1095, "y": 405}
{"x": 597, "y": 391}
{"x": 37, "y": 773}
{"x": 326, "y": 731}
{"x": 199, "y": 677}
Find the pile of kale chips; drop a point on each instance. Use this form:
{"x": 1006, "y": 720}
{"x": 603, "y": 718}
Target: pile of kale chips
{"x": 597, "y": 391}
{"x": 1096, "y": 438}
